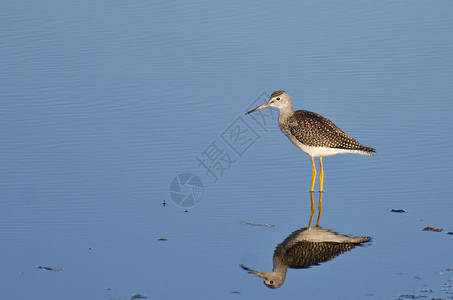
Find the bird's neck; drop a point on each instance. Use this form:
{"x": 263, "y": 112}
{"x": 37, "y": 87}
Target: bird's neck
{"x": 280, "y": 268}
{"x": 284, "y": 113}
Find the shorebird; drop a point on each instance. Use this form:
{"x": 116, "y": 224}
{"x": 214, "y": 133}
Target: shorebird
{"x": 312, "y": 133}
{"x": 304, "y": 248}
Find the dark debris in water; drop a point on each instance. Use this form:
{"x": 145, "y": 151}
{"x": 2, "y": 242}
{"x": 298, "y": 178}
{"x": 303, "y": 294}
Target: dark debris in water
{"x": 50, "y": 268}
{"x": 411, "y": 296}
{"x": 162, "y": 239}
{"x": 138, "y": 296}
{"x": 255, "y": 224}
{"x": 443, "y": 293}
{"x": 427, "y": 228}
{"x": 397, "y": 210}
{"x": 235, "y": 292}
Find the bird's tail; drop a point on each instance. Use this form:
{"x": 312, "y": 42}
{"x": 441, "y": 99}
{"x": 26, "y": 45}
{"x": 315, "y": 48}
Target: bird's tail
{"x": 367, "y": 151}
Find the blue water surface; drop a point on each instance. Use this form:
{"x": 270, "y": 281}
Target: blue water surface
{"x": 105, "y": 103}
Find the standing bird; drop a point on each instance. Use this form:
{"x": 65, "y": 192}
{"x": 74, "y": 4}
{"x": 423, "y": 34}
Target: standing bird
{"x": 312, "y": 133}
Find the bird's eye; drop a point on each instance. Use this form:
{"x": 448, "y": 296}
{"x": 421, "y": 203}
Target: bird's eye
{"x": 278, "y": 98}
{"x": 272, "y": 282}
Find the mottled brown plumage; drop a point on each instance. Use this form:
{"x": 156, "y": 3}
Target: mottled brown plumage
{"x": 314, "y": 130}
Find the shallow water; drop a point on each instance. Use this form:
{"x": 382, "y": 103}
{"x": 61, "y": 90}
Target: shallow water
{"x": 105, "y": 104}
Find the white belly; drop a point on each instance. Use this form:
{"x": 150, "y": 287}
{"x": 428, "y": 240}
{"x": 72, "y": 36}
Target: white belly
{"x": 320, "y": 151}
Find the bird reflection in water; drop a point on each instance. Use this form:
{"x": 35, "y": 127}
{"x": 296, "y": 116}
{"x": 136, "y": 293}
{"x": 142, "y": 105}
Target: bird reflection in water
{"x": 307, "y": 247}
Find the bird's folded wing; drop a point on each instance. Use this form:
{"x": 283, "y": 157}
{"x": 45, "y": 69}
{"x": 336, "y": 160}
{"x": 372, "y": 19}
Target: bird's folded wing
{"x": 314, "y": 130}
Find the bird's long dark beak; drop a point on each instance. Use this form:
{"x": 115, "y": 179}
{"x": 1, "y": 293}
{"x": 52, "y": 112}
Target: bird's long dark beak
{"x": 258, "y": 108}
{"x": 250, "y": 271}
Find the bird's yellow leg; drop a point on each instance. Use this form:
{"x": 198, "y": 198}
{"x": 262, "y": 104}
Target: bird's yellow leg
{"x": 321, "y": 174}
{"x": 313, "y": 174}
{"x": 319, "y": 208}
{"x": 312, "y": 209}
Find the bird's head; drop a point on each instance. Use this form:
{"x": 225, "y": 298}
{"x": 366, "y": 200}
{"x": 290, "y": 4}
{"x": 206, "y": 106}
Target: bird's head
{"x": 270, "y": 279}
{"x": 279, "y": 99}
